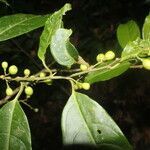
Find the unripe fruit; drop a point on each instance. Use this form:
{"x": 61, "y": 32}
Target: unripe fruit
{"x": 13, "y": 70}
{"x": 48, "y": 81}
{"x": 28, "y": 91}
{"x": 146, "y": 63}
{"x": 79, "y": 85}
{"x": 83, "y": 67}
{"x": 9, "y": 91}
{"x": 100, "y": 57}
{"x": 26, "y": 72}
{"x": 109, "y": 55}
{"x": 86, "y": 86}
{"x": 4, "y": 65}
{"x": 42, "y": 74}
{"x": 36, "y": 110}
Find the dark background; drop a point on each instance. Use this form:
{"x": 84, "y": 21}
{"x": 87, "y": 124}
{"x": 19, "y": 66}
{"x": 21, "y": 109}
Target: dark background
{"x": 94, "y": 23}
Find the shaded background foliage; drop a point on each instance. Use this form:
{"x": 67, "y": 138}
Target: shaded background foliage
{"x": 94, "y": 23}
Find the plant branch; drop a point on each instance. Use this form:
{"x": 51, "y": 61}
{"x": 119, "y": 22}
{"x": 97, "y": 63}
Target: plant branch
{"x": 20, "y": 91}
{"x": 4, "y": 100}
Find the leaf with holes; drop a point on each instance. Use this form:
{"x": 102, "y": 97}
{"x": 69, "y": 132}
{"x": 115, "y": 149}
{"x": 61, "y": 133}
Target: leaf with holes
{"x": 53, "y": 23}
{"x": 85, "y": 122}
{"x": 127, "y": 32}
{"x": 18, "y": 24}
{"x": 62, "y": 50}
{"x": 14, "y": 128}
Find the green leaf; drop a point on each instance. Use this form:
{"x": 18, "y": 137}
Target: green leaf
{"x": 139, "y": 47}
{"x": 85, "y": 122}
{"x": 145, "y": 48}
{"x": 14, "y": 128}
{"x": 127, "y": 32}
{"x": 72, "y": 50}
{"x": 62, "y": 50}
{"x": 53, "y": 23}
{"x": 106, "y": 74}
{"x": 132, "y": 49}
{"x": 15, "y": 25}
{"x": 146, "y": 28}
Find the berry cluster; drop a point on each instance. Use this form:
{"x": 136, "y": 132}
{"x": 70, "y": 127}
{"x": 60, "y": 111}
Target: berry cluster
{"x": 12, "y": 70}
{"x": 110, "y": 55}
{"x": 79, "y": 85}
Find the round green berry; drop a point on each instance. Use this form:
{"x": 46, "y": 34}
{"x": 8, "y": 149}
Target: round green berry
{"x": 9, "y": 91}
{"x": 109, "y": 55}
{"x": 100, "y": 57}
{"x": 79, "y": 85}
{"x": 48, "y": 81}
{"x": 13, "y": 70}
{"x": 146, "y": 63}
{"x": 4, "y": 65}
{"x": 86, "y": 86}
{"x": 42, "y": 75}
{"x": 28, "y": 90}
{"x": 26, "y": 72}
{"x": 83, "y": 67}
{"x": 36, "y": 110}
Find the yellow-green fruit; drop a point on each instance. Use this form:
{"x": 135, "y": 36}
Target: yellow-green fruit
{"x": 48, "y": 81}
{"x": 26, "y": 72}
{"x": 146, "y": 63}
{"x": 9, "y": 91}
{"x": 29, "y": 90}
{"x": 86, "y": 86}
{"x": 79, "y": 85}
{"x": 36, "y": 110}
{"x": 100, "y": 57}
{"x": 13, "y": 70}
{"x": 4, "y": 65}
{"x": 109, "y": 55}
{"x": 42, "y": 74}
{"x": 83, "y": 67}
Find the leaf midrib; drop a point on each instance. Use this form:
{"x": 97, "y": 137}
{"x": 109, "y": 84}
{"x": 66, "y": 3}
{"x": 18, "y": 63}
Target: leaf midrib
{"x": 42, "y": 50}
{"x": 9, "y": 131}
{"x": 17, "y": 24}
{"x": 94, "y": 76}
{"x": 82, "y": 116}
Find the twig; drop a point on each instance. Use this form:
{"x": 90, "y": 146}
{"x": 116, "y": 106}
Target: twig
{"x": 4, "y": 100}
{"x": 137, "y": 66}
